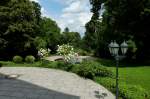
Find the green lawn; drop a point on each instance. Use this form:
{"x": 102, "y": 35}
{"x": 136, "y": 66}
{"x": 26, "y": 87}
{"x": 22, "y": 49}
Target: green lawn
{"x": 135, "y": 74}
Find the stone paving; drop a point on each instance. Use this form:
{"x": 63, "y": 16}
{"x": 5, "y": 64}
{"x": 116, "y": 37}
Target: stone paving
{"x": 42, "y": 83}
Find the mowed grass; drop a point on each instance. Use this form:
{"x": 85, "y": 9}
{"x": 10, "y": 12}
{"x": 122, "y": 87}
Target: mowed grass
{"x": 136, "y": 76}
{"x": 131, "y": 74}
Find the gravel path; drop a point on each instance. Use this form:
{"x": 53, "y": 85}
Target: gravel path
{"x": 42, "y": 83}
{"x": 53, "y": 58}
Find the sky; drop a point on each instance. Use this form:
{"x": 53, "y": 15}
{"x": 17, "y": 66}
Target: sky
{"x": 73, "y": 14}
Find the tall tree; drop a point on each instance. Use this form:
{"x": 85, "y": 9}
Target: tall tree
{"x": 72, "y": 38}
{"x": 50, "y": 32}
{"x": 18, "y": 25}
{"x": 122, "y": 19}
{"x": 66, "y": 29}
{"x": 4, "y": 19}
{"x": 92, "y": 27}
{"x": 131, "y": 18}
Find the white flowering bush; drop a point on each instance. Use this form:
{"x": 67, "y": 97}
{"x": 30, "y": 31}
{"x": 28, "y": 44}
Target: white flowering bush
{"x": 43, "y": 52}
{"x": 68, "y": 53}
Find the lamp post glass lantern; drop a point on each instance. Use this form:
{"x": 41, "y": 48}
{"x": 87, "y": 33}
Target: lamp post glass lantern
{"x": 124, "y": 48}
{"x": 114, "y": 49}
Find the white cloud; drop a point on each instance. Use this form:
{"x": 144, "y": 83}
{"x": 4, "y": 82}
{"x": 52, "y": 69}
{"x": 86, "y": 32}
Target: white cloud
{"x": 44, "y": 12}
{"x": 75, "y": 15}
{"x": 35, "y": 0}
{"x": 64, "y": 2}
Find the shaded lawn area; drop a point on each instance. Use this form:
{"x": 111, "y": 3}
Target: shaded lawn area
{"x": 135, "y": 74}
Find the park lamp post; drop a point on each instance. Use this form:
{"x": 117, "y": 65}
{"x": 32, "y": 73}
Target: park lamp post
{"x": 114, "y": 51}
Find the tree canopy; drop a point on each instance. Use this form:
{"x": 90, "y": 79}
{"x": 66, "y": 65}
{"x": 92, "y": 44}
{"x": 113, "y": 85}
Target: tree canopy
{"x": 72, "y": 38}
{"x": 18, "y": 24}
{"x": 50, "y": 32}
{"x": 121, "y": 20}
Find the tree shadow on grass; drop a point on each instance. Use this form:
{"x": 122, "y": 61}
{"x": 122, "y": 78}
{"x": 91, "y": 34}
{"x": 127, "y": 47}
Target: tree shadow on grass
{"x": 123, "y": 63}
{"x": 13, "y": 88}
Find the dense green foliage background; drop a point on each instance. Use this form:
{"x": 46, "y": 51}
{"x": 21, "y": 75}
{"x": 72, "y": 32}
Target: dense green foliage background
{"x": 19, "y": 24}
{"x": 23, "y": 31}
{"x": 121, "y": 20}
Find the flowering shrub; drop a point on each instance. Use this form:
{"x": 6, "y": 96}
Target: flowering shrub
{"x": 43, "y": 52}
{"x": 68, "y": 53}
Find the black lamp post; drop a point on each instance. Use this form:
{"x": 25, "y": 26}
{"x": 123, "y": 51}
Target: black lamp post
{"x": 114, "y": 49}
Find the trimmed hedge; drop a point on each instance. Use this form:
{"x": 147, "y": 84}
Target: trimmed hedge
{"x": 17, "y": 59}
{"x": 30, "y": 59}
{"x": 126, "y": 91}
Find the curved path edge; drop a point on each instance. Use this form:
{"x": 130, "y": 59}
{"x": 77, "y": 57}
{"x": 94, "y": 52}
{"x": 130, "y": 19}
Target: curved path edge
{"x": 43, "y": 83}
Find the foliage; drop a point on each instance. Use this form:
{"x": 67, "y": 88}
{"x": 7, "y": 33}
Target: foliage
{"x": 133, "y": 92}
{"x": 50, "y": 33}
{"x": 96, "y": 6}
{"x": 56, "y": 65}
{"x": 82, "y": 52}
{"x": 93, "y": 27}
{"x": 43, "y": 52}
{"x": 39, "y": 42}
{"x": 30, "y": 59}
{"x": 66, "y": 29}
{"x": 132, "y": 49}
{"x": 68, "y": 53}
{"x": 87, "y": 72}
{"x": 18, "y": 18}
{"x": 17, "y": 59}
{"x": 22, "y": 18}
{"x": 72, "y": 38}
{"x": 64, "y": 66}
{"x": 126, "y": 91}
{"x": 120, "y": 21}
{"x": 89, "y": 69}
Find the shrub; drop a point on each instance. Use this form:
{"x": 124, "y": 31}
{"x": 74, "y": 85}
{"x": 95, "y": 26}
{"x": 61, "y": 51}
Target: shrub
{"x": 43, "y": 52}
{"x": 106, "y": 82}
{"x": 76, "y": 68}
{"x": 17, "y": 59}
{"x": 44, "y": 63}
{"x": 68, "y": 52}
{"x": 84, "y": 71}
{"x": 56, "y": 65}
{"x": 30, "y": 59}
{"x": 82, "y": 52}
{"x": 101, "y": 70}
{"x": 91, "y": 69}
{"x": 126, "y": 91}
